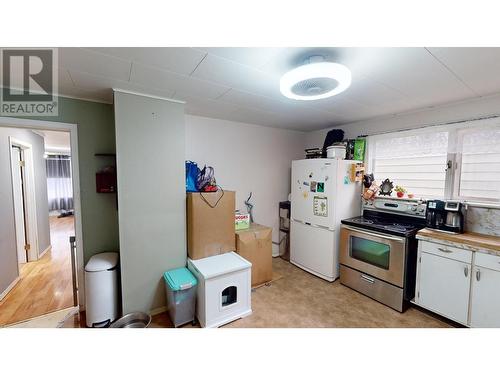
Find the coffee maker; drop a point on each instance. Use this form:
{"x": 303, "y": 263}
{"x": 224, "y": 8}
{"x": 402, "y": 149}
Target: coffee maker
{"x": 445, "y": 216}
{"x": 454, "y": 221}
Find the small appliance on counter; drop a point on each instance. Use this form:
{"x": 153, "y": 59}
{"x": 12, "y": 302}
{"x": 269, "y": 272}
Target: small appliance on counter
{"x": 445, "y": 216}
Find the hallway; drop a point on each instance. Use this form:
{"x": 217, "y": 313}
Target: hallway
{"x": 45, "y": 285}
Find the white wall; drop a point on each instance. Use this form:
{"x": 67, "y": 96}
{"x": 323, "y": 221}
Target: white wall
{"x": 458, "y": 111}
{"x": 151, "y": 196}
{"x": 247, "y": 158}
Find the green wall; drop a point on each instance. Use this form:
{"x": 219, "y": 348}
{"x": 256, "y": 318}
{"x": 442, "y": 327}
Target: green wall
{"x": 96, "y": 134}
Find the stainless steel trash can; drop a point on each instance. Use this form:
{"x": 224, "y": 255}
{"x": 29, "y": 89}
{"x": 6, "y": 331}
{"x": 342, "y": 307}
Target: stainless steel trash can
{"x": 101, "y": 289}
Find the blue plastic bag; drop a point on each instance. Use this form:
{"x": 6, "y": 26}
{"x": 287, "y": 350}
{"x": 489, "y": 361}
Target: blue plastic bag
{"x": 192, "y": 172}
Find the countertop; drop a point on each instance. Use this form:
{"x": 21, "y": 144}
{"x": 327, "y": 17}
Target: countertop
{"x": 470, "y": 240}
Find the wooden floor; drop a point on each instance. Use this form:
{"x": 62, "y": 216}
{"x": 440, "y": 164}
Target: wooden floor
{"x": 45, "y": 285}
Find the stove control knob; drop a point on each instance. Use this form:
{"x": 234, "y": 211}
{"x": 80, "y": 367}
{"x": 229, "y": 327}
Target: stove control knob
{"x": 414, "y": 208}
{"x": 421, "y": 209}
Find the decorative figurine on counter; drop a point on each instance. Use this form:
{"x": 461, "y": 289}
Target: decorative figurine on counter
{"x": 386, "y": 187}
{"x": 400, "y": 191}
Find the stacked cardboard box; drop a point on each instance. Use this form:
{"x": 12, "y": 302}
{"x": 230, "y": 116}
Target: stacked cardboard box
{"x": 210, "y": 223}
{"x": 255, "y": 245}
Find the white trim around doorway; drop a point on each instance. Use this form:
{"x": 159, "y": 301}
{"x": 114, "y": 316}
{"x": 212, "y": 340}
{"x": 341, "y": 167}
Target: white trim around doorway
{"x": 13, "y": 122}
{"x": 30, "y": 197}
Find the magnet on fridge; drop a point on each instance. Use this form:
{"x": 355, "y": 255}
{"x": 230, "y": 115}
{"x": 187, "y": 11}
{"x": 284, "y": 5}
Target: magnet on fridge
{"x": 320, "y": 187}
{"x": 305, "y": 194}
{"x": 313, "y": 186}
{"x": 306, "y": 183}
{"x": 346, "y": 180}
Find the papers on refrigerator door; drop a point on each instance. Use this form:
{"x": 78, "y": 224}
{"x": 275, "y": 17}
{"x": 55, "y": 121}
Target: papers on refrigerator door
{"x": 320, "y": 206}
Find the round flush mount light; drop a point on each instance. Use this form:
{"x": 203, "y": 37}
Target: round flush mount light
{"x": 317, "y": 79}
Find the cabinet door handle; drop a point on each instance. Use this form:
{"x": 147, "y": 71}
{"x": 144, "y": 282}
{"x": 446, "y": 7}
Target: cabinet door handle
{"x": 444, "y": 250}
{"x": 466, "y": 271}
{"x": 478, "y": 274}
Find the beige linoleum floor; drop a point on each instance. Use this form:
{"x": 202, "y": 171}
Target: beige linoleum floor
{"x": 300, "y": 299}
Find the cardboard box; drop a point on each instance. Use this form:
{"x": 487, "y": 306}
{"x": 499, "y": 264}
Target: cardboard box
{"x": 210, "y": 223}
{"x": 255, "y": 245}
{"x": 241, "y": 221}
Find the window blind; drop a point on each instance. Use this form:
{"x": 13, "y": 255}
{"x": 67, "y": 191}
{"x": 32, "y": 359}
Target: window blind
{"x": 416, "y": 162}
{"x": 480, "y": 167}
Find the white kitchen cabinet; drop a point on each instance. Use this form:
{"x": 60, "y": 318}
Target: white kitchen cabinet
{"x": 444, "y": 285}
{"x": 485, "y": 297}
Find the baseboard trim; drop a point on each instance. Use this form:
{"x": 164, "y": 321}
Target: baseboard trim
{"x": 9, "y": 288}
{"x": 158, "y": 310}
{"x": 43, "y": 252}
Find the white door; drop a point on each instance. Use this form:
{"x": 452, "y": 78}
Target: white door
{"x": 313, "y": 191}
{"x": 444, "y": 286}
{"x": 19, "y": 212}
{"x": 313, "y": 249}
{"x": 485, "y": 299}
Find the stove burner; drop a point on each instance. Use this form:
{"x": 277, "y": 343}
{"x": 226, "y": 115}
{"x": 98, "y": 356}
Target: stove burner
{"x": 398, "y": 227}
{"x": 362, "y": 220}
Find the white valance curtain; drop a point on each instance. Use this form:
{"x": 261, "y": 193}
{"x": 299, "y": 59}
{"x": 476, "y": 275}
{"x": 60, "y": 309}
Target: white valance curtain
{"x": 59, "y": 184}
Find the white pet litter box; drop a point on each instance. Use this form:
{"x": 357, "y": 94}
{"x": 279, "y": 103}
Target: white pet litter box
{"x": 224, "y": 288}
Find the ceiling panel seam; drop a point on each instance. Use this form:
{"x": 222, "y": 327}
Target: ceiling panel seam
{"x": 197, "y": 65}
{"x": 452, "y": 72}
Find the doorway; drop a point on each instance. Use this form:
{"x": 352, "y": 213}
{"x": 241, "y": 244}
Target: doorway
{"x": 49, "y": 270}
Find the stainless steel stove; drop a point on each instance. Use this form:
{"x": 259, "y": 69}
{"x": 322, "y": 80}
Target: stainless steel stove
{"x": 378, "y": 251}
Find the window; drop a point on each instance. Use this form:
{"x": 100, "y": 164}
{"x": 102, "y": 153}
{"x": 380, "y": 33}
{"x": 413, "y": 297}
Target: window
{"x": 416, "y": 162}
{"x": 460, "y": 161}
{"x": 479, "y": 169}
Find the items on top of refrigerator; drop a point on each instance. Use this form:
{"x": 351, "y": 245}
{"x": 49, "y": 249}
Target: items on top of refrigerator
{"x": 336, "y": 151}
{"x": 334, "y": 136}
{"x": 359, "y": 149}
{"x": 313, "y": 153}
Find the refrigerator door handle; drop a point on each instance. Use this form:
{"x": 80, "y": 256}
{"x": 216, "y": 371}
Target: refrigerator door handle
{"x": 314, "y": 225}
{"x": 323, "y": 227}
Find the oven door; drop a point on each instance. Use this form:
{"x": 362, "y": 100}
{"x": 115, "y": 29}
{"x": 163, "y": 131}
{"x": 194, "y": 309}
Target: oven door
{"x": 377, "y": 254}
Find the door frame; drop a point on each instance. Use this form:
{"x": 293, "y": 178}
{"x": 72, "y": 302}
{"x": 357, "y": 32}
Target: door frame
{"x": 16, "y": 122}
{"x": 29, "y": 196}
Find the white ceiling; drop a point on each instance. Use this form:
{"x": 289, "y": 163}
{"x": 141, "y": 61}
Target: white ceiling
{"x": 242, "y": 84}
{"x": 55, "y": 141}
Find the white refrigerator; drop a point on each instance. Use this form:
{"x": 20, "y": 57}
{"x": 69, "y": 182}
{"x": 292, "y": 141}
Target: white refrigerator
{"x": 322, "y": 195}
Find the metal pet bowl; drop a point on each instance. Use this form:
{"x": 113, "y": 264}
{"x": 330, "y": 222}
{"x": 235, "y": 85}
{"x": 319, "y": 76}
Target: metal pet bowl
{"x": 133, "y": 320}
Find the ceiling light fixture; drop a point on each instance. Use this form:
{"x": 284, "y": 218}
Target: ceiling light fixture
{"x": 316, "y": 79}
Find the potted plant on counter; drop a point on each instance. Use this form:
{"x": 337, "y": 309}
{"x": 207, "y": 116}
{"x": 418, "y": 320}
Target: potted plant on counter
{"x": 400, "y": 191}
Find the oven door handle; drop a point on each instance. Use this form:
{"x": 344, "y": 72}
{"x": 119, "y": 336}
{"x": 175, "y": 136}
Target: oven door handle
{"x": 386, "y": 237}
